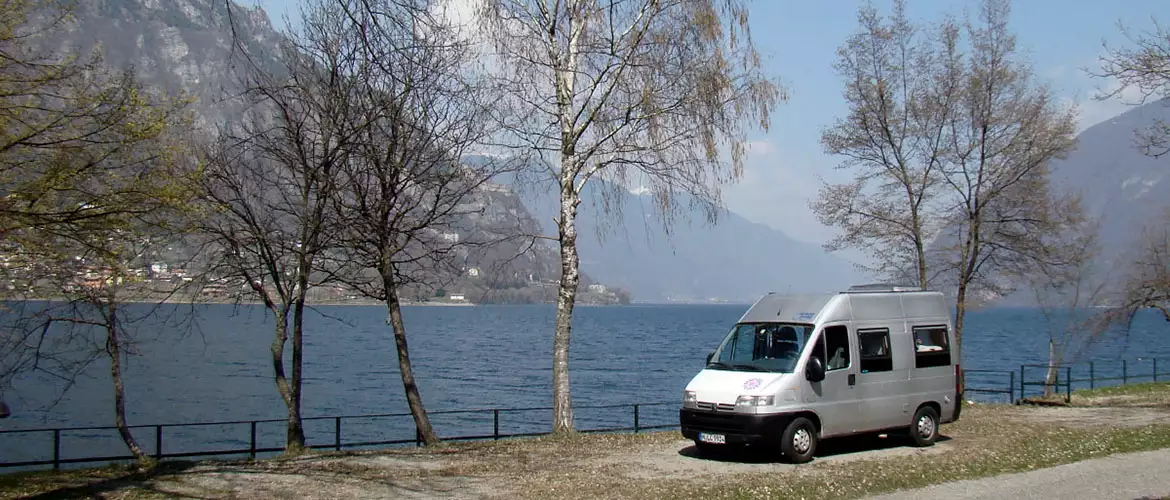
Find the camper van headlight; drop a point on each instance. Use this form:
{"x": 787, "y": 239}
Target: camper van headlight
{"x": 755, "y": 401}
{"x": 690, "y": 399}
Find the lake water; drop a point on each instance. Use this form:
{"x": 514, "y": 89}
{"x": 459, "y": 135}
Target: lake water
{"x": 465, "y": 357}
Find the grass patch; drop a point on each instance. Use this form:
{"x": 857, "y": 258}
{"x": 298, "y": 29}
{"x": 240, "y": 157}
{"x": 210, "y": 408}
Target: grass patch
{"x": 1143, "y": 388}
{"x": 1147, "y": 394}
{"x": 1144, "y": 394}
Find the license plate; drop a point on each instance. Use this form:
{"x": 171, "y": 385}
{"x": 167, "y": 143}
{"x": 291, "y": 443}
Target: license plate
{"x": 712, "y": 438}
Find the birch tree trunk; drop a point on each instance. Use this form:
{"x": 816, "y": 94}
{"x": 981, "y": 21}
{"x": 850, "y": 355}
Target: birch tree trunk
{"x": 1050, "y": 378}
{"x": 566, "y": 298}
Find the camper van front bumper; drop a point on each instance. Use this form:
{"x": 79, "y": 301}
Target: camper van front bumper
{"x": 737, "y": 428}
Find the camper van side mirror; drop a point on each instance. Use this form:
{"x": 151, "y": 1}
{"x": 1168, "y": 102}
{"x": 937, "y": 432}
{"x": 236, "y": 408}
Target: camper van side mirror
{"x": 709, "y": 356}
{"x": 4, "y": 411}
{"x": 814, "y": 370}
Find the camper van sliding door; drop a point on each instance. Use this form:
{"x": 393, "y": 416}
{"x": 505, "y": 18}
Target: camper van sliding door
{"x": 882, "y": 386}
{"x": 835, "y": 398}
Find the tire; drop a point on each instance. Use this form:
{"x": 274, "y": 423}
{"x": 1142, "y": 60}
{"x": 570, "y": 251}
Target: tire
{"x": 924, "y": 428}
{"x": 798, "y": 443}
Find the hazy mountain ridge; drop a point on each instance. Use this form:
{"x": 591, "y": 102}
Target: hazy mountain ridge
{"x": 1121, "y": 188}
{"x": 734, "y": 260}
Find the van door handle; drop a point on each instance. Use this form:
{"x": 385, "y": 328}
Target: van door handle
{"x": 852, "y": 379}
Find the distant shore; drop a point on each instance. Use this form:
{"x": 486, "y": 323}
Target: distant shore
{"x": 356, "y": 302}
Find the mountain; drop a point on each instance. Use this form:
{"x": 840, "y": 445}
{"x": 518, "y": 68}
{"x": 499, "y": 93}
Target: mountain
{"x": 176, "y": 45}
{"x": 187, "y": 46}
{"x": 735, "y": 260}
{"x": 1119, "y": 184}
{"x": 1120, "y": 187}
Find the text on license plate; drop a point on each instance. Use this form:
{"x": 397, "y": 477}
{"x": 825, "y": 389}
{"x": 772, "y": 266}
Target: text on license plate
{"x": 712, "y": 438}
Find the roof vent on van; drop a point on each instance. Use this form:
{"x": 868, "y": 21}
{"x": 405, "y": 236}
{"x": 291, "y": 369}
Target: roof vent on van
{"x": 884, "y": 287}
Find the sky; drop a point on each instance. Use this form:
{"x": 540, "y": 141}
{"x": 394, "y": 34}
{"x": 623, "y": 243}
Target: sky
{"x": 799, "y": 39}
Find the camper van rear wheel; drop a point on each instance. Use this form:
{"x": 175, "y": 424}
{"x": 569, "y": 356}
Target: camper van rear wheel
{"x": 798, "y": 443}
{"x": 924, "y": 429}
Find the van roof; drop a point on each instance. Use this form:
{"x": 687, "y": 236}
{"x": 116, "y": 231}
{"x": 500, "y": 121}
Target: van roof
{"x": 857, "y": 303}
{"x": 883, "y": 287}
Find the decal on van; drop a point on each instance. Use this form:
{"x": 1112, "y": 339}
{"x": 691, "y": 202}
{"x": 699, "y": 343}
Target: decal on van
{"x": 805, "y": 316}
{"x": 752, "y": 383}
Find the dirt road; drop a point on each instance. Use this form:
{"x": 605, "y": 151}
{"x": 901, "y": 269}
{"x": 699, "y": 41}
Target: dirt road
{"x": 1119, "y": 477}
{"x": 663, "y": 465}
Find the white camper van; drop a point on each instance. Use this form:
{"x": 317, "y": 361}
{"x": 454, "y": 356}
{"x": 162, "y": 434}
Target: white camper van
{"x": 796, "y": 369}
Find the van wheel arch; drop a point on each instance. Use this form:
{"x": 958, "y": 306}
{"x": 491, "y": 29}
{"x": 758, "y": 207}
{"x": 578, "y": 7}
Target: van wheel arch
{"x": 816, "y": 421}
{"x": 776, "y": 432}
{"x": 933, "y": 404}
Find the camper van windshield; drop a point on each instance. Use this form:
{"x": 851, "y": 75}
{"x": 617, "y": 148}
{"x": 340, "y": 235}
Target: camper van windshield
{"x": 770, "y": 347}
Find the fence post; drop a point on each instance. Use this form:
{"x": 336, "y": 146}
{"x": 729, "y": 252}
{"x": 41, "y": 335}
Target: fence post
{"x": 1092, "y": 376}
{"x": 56, "y": 449}
{"x": 496, "y": 424}
{"x": 252, "y": 446}
{"x": 1012, "y": 387}
{"x": 1124, "y": 372}
{"x": 635, "y": 418}
{"x": 1068, "y": 384}
{"x": 417, "y": 437}
{"x": 1022, "y": 381}
{"x": 158, "y": 442}
{"x": 337, "y": 433}
{"x": 1155, "y": 369}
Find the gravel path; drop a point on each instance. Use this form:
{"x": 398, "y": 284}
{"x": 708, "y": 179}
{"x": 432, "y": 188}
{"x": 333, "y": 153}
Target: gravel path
{"x": 1118, "y": 477}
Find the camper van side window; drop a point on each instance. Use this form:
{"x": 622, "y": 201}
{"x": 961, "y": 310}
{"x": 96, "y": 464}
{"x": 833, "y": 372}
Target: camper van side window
{"x": 837, "y": 342}
{"x": 875, "y": 350}
{"x": 931, "y": 347}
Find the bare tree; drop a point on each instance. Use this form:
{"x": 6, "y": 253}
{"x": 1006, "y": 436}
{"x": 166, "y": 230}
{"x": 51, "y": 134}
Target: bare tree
{"x": 1146, "y": 284}
{"x": 1005, "y": 130}
{"x": 96, "y": 276}
{"x": 404, "y": 195}
{"x": 87, "y": 157}
{"x": 628, "y": 91}
{"x": 92, "y": 266}
{"x": 1066, "y": 292}
{"x": 1143, "y": 65}
{"x": 902, "y": 87}
{"x": 981, "y": 133}
{"x": 270, "y": 181}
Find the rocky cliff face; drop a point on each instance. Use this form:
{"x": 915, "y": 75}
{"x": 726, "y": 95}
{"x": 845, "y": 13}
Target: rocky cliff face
{"x": 177, "y": 45}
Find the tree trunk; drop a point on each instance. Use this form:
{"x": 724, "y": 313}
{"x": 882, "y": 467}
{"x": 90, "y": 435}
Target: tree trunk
{"x": 295, "y": 437}
{"x": 114, "y": 351}
{"x": 421, "y": 421}
{"x": 296, "y": 430}
{"x": 960, "y": 313}
{"x": 1050, "y": 379}
{"x": 566, "y": 297}
{"x": 920, "y": 251}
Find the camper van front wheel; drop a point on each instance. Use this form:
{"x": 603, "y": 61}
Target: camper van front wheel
{"x": 799, "y": 441}
{"x": 924, "y": 430}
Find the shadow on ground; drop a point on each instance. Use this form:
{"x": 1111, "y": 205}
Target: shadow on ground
{"x": 91, "y": 487}
{"x": 825, "y": 449}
